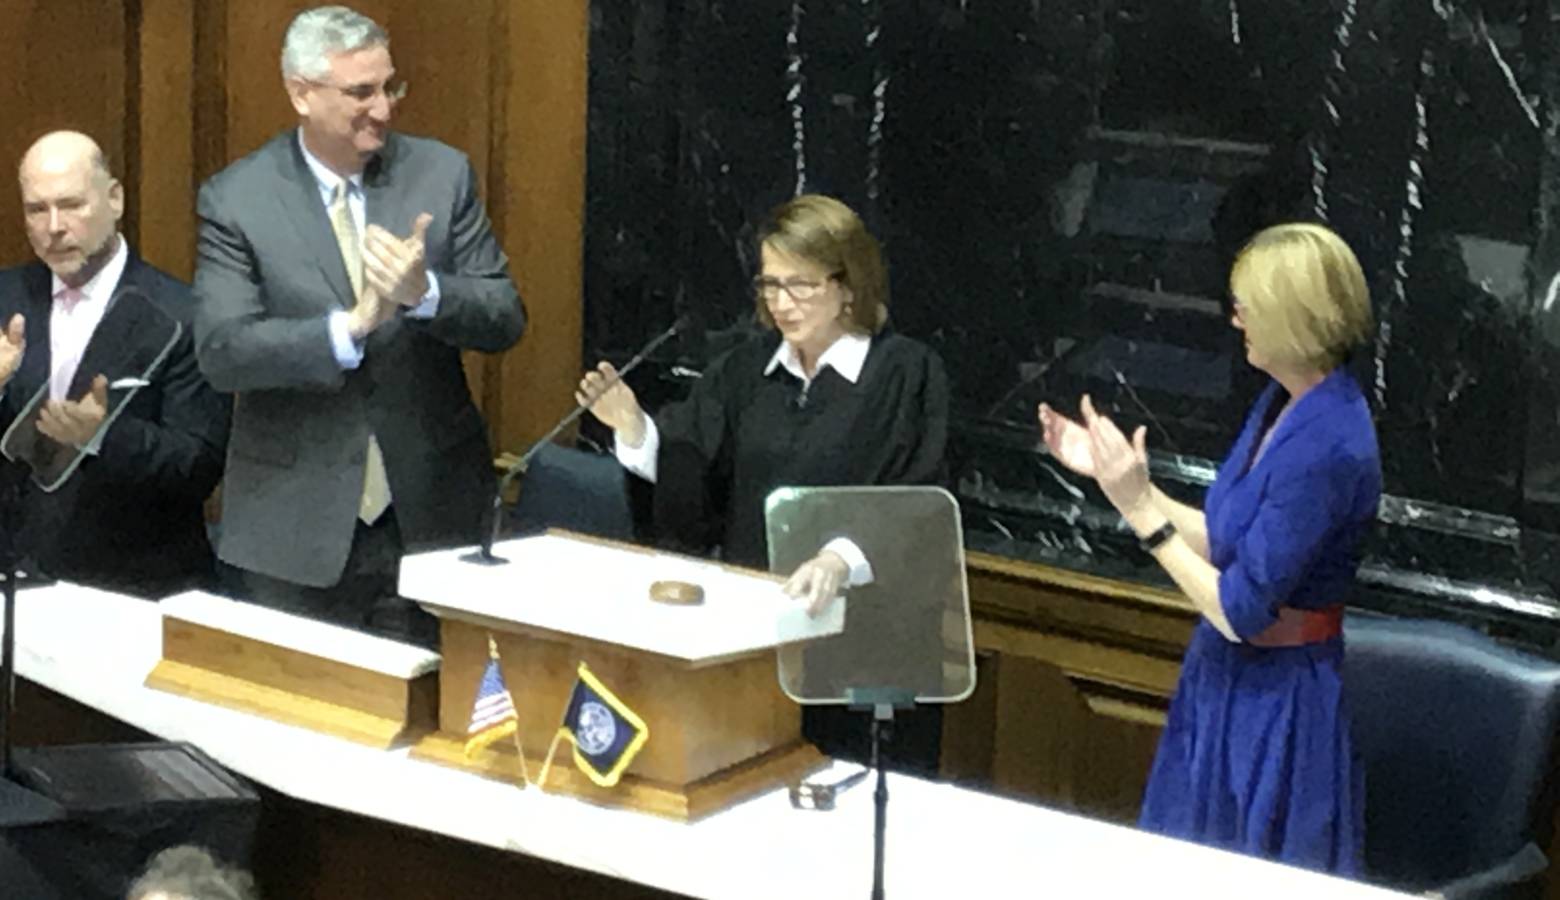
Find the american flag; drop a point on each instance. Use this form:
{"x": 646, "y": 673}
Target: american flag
{"x": 493, "y": 715}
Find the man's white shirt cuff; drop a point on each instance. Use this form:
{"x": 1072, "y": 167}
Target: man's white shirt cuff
{"x": 429, "y": 307}
{"x": 348, "y": 354}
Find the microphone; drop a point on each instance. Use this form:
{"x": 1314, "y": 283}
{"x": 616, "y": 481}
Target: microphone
{"x": 484, "y": 554}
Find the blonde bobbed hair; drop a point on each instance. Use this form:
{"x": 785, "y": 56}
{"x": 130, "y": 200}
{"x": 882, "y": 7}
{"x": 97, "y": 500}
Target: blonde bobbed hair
{"x": 1303, "y": 296}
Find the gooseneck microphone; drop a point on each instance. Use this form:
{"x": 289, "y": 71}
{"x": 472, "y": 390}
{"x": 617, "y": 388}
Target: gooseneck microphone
{"x": 484, "y": 554}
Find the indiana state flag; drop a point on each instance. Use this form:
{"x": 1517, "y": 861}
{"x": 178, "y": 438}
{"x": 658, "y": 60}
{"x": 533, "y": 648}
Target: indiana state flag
{"x": 493, "y": 715}
{"x": 606, "y": 734}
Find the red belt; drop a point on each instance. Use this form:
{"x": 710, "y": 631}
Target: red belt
{"x": 1296, "y": 627}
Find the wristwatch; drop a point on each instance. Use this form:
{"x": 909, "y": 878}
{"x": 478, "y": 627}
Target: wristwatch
{"x": 1157, "y": 538}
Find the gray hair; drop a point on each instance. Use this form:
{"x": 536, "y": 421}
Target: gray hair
{"x": 317, "y": 34}
{"x": 191, "y": 872}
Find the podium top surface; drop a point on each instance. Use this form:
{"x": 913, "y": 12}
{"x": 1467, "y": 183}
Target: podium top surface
{"x": 600, "y": 590}
{"x": 321, "y": 639}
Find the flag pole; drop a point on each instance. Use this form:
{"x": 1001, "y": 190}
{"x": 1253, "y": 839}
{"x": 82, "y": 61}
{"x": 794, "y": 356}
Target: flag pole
{"x": 547, "y": 763}
{"x": 519, "y": 748}
{"x": 558, "y": 736}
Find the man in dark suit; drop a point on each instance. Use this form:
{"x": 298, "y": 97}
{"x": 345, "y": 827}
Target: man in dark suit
{"x": 94, "y": 328}
{"x": 354, "y": 435}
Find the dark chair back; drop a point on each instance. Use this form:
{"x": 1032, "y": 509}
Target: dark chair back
{"x": 573, "y": 489}
{"x": 1456, "y": 733}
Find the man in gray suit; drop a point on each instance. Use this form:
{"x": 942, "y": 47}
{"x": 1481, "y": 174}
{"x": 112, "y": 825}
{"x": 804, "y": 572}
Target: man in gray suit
{"x": 354, "y": 434}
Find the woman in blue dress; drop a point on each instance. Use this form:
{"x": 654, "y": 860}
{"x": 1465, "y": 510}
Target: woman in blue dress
{"x": 1256, "y": 755}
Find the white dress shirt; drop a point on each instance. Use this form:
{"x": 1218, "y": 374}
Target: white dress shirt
{"x": 71, "y": 325}
{"x": 847, "y": 355}
{"x": 348, "y": 354}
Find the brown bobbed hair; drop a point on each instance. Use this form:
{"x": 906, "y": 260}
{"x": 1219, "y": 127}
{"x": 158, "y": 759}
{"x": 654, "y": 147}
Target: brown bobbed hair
{"x": 825, "y": 232}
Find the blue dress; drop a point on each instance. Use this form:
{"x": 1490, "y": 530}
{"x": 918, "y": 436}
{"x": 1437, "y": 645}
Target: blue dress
{"x": 1256, "y": 756}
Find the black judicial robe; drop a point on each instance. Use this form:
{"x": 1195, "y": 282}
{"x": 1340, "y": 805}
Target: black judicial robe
{"x": 741, "y": 434}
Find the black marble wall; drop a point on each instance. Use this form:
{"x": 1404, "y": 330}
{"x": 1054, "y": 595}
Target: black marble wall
{"x": 1060, "y": 187}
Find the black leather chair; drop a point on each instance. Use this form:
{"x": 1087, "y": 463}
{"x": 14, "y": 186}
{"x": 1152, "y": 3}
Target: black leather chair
{"x": 573, "y": 489}
{"x": 1457, "y": 736}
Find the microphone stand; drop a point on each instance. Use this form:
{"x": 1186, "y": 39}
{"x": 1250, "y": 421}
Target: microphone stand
{"x": 484, "y": 553}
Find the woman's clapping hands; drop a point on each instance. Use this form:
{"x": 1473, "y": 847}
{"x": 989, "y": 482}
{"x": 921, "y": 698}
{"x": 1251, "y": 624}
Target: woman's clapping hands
{"x": 1098, "y": 449}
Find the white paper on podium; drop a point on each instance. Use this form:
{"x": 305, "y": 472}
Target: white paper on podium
{"x": 601, "y": 591}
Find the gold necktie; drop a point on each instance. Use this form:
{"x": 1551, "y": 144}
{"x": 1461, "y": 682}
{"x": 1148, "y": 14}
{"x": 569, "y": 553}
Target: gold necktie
{"x": 376, "y": 486}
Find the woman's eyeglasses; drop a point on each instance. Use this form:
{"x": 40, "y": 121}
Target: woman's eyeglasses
{"x": 801, "y": 290}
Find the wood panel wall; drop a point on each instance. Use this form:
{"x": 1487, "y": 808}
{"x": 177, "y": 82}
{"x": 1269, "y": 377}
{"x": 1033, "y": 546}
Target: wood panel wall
{"x": 1075, "y": 674}
{"x": 51, "y": 78}
{"x": 176, "y": 89}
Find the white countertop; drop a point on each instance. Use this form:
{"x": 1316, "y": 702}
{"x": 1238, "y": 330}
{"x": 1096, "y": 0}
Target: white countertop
{"x": 942, "y": 841}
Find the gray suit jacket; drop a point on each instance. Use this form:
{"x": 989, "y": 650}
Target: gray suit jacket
{"x": 269, "y": 272}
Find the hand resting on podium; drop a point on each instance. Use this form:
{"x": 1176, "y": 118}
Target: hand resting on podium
{"x": 840, "y": 564}
{"x": 818, "y": 580}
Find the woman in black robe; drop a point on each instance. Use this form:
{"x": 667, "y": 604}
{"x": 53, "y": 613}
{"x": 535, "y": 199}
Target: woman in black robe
{"x": 826, "y": 396}
{"x": 832, "y": 399}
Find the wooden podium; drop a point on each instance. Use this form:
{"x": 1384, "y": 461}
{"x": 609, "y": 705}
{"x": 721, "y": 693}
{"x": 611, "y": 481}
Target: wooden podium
{"x": 295, "y": 670}
{"x": 703, "y": 677}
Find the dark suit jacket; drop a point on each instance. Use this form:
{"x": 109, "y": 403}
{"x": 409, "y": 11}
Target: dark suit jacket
{"x": 131, "y": 518}
{"x": 269, "y": 274}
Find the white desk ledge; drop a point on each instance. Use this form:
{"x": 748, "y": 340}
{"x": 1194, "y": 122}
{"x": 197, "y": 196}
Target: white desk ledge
{"x": 943, "y": 841}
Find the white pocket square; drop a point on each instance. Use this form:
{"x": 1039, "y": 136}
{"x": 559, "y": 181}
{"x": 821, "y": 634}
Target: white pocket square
{"x": 125, "y": 384}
